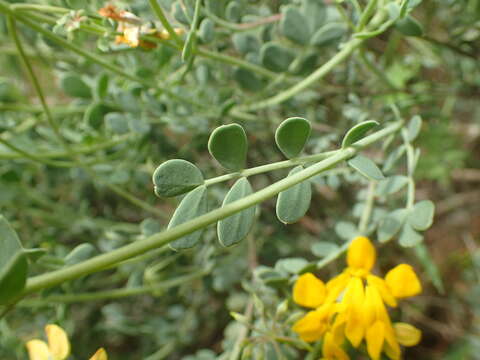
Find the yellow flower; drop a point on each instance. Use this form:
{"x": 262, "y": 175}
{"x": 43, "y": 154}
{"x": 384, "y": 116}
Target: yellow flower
{"x": 361, "y": 254}
{"x": 101, "y": 354}
{"x": 57, "y": 348}
{"x": 403, "y": 282}
{"x": 352, "y": 306}
{"x": 313, "y": 325}
{"x": 309, "y": 291}
{"x": 332, "y": 348}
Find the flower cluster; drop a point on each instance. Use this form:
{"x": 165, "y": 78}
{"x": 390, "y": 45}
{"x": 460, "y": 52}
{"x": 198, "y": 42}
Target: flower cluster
{"x": 57, "y": 348}
{"x": 352, "y": 306}
{"x": 131, "y": 28}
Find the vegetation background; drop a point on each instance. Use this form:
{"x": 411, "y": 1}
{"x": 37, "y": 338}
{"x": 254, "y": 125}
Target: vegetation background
{"x": 124, "y": 110}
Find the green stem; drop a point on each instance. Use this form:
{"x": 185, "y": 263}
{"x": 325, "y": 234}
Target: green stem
{"x": 308, "y": 81}
{"x": 60, "y": 154}
{"x": 113, "y": 294}
{"x": 269, "y": 167}
{"x": 368, "y": 207}
{"x": 103, "y": 261}
{"x": 51, "y": 121}
{"x": 43, "y": 8}
{"x": 163, "y": 19}
{"x": 61, "y": 109}
{"x": 136, "y": 201}
{"x": 367, "y": 14}
{"x": 35, "y": 158}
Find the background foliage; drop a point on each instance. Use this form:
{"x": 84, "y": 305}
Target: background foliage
{"x": 97, "y": 195}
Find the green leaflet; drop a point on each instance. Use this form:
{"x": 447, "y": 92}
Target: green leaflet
{"x": 193, "y": 205}
{"x": 357, "y": 132}
{"x": 366, "y": 167}
{"x": 421, "y": 217}
{"x": 228, "y": 145}
{"x": 408, "y": 26}
{"x": 80, "y": 253}
{"x": 235, "y": 228}
{"x": 295, "y": 26}
{"x": 206, "y": 31}
{"x": 247, "y": 80}
{"x": 292, "y": 204}
{"x": 275, "y": 57}
{"x": 74, "y": 86}
{"x": 391, "y": 224}
{"x": 95, "y": 114}
{"x": 175, "y": 177}
{"x": 13, "y": 263}
{"x": 328, "y": 34}
{"x": 292, "y": 135}
{"x": 414, "y": 127}
{"x": 409, "y": 237}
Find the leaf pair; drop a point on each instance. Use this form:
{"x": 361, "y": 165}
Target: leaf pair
{"x": 409, "y": 221}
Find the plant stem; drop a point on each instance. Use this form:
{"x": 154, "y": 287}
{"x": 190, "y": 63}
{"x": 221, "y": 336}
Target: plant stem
{"x": 308, "y": 81}
{"x": 106, "y": 260}
{"x": 163, "y": 19}
{"x": 368, "y": 207}
{"x": 114, "y": 294}
{"x": 367, "y": 13}
{"x": 269, "y": 167}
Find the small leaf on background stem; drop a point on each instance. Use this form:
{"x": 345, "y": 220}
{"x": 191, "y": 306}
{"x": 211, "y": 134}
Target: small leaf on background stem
{"x": 328, "y": 34}
{"x": 408, "y": 26}
{"x": 293, "y": 203}
{"x": 80, "y": 253}
{"x": 235, "y": 228}
{"x": 193, "y": 205}
{"x": 409, "y": 237}
{"x": 292, "y": 135}
{"x": 391, "y": 185}
{"x": 275, "y": 57}
{"x": 295, "y": 26}
{"x": 175, "y": 177}
{"x": 366, "y": 167}
{"x": 13, "y": 263}
{"x": 391, "y": 224}
{"x": 74, "y": 86}
{"x": 324, "y": 248}
{"x": 414, "y": 127}
{"x": 346, "y": 230}
{"x": 421, "y": 217}
{"x": 228, "y": 145}
{"x": 357, "y": 132}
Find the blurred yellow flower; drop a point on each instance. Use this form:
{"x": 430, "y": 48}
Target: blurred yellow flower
{"x": 57, "y": 346}
{"x": 352, "y": 306}
{"x": 132, "y": 28}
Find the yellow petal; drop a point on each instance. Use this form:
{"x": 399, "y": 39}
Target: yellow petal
{"x": 132, "y": 36}
{"x": 335, "y": 286}
{"x": 309, "y": 291}
{"x": 369, "y": 306}
{"x": 57, "y": 342}
{"x": 361, "y": 254}
{"x": 354, "y": 299}
{"x": 407, "y": 335}
{"x": 101, "y": 354}
{"x": 311, "y": 327}
{"x": 403, "y": 282}
{"x": 383, "y": 289}
{"x": 391, "y": 346}
{"x": 375, "y": 336}
{"x": 331, "y": 350}
{"x": 37, "y": 350}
